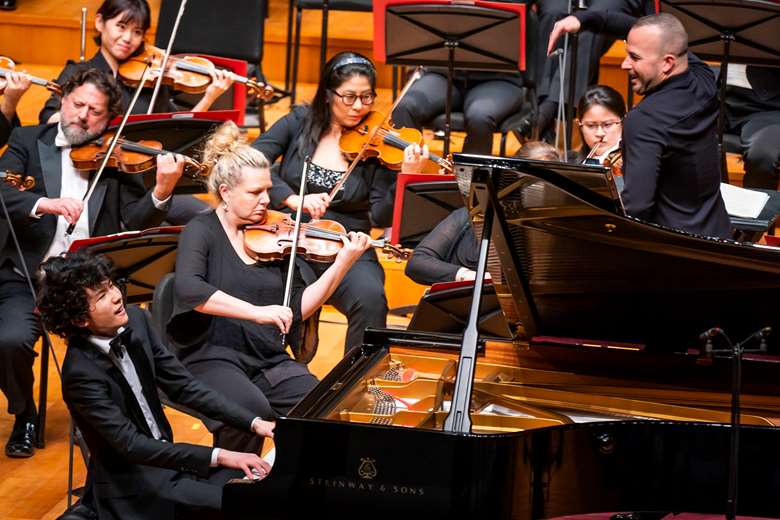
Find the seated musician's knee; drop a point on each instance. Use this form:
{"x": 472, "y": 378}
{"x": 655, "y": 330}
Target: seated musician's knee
{"x": 15, "y": 343}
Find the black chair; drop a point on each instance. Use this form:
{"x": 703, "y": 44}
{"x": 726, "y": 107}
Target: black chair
{"x": 162, "y": 309}
{"x": 238, "y": 35}
{"x": 523, "y": 122}
{"x": 294, "y": 38}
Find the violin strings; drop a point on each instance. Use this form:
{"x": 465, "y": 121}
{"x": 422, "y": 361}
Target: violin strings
{"x": 392, "y": 139}
{"x": 315, "y": 232}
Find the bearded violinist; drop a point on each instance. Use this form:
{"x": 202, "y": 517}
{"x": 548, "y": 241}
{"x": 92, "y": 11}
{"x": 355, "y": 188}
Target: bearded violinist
{"x": 40, "y": 217}
{"x": 670, "y": 156}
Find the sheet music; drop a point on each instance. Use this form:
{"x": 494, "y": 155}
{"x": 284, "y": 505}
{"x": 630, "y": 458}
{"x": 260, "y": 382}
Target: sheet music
{"x": 741, "y": 202}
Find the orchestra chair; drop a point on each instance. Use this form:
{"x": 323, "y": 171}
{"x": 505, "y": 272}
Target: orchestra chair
{"x": 238, "y": 35}
{"x": 161, "y": 310}
{"x": 294, "y": 38}
{"x": 522, "y": 123}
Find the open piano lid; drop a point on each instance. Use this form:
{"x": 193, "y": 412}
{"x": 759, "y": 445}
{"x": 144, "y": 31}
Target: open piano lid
{"x": 572, "y": 265}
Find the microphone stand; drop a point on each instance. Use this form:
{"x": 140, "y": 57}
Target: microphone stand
{"x": 46, "y": 347}
{"x": 735, "y": 353}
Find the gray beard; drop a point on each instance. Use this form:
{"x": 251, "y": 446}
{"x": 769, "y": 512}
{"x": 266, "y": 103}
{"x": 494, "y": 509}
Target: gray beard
{"x": 77, "y": 136}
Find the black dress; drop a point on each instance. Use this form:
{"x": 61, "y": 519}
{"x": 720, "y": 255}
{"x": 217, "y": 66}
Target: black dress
{"x": 365, "y": 201}
{"x": 450, "y": 246}
{"x": 244, "y": 360}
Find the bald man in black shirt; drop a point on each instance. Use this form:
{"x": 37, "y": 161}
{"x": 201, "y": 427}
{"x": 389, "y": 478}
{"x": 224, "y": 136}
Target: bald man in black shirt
{"x": 670, "y": 150}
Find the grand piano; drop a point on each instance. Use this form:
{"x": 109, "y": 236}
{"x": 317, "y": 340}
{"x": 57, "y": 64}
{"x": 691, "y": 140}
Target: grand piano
{"x": 606, "y": 399}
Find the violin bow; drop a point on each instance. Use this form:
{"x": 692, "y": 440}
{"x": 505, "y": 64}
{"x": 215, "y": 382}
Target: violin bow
{"x": 110, "y": 150}
{"x": 296, "y": 234}
{"x": 83, "y": 50}
{"x": 417, "y": 74}
{"x": 167, "y": 54}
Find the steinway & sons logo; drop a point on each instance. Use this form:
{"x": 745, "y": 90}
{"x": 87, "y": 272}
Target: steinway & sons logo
{"x": 367, "y": 471}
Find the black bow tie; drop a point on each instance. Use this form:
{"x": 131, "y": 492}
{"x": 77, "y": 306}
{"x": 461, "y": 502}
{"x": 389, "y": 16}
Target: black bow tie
{"x": 117, "y": 344}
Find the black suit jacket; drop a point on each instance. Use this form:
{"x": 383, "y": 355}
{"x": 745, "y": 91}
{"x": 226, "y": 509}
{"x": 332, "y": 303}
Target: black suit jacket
{"x": 126, "y": 460}
{"x": 6, "y": 126}
{"x": 119, "y": 199}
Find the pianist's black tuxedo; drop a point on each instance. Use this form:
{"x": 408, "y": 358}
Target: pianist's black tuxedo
{"x": 132, "y": 474}
{"x": 119, "y": 202}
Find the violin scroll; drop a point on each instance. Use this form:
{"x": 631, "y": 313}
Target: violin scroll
{"x": 17, "y": 180}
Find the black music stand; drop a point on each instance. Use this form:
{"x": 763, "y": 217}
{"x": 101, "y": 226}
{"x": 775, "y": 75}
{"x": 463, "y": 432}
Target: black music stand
{"x": 463, "y": 35}
{"x": 745, "y": 31}
{"x": 141, "y": 258}
{"x": 425, "y": 204}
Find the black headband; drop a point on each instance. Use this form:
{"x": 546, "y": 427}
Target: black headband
{"x": 352, "y": 60}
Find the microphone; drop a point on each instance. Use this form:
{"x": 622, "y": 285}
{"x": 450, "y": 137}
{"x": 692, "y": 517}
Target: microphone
{"x": 706, "y": 356}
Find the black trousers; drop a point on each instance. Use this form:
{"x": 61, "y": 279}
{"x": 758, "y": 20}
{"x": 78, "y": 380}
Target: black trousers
{"x": 252, "y": 390}
{"x": 19, "y": 329}
{"x": 360, "y": 297}
{"x": 485, "y": 105}
{"x": 590, "y": 46}
{"x": 760, "y": 135}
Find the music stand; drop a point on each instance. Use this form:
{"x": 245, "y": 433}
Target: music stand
{"x": 723, "y": 30}
{"x": 179, "y": 132}
{"x": 141, "y": 258}
{"x": 469, "y": 35}
{"x": 421, "y": 202}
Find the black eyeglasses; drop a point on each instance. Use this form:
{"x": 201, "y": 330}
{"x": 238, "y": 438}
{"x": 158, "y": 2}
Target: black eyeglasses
{"x": 349, "y": 99}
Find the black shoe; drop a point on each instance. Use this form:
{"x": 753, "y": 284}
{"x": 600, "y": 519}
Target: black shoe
{"x": 21, "y": 443}
{"x": 8, "y": 5}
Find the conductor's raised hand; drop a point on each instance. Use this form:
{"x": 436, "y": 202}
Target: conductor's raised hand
{"x": 67, "y": 207}
{"x": 253, "y": 466}
{"x": 276, "y": 315}
{"x": 570, "y": 24}
{"x": 355, "y": 244}
{"x": 170, "y": 168}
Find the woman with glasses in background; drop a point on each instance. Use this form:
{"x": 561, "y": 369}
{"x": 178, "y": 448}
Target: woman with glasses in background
{"x": 600, "y": 120}
{"x": 345, "y": 95}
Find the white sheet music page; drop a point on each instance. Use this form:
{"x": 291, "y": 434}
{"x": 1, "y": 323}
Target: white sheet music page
{"x": 741, "y": 202}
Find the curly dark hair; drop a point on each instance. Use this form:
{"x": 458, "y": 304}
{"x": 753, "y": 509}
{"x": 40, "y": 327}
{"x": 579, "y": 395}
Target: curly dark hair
{"x": 105, "y": 83}
{"x": 62, "y": 295}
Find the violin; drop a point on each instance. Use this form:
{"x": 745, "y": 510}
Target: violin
{"x": 17, "y": 180}
{"x": 190, "y": 74}
{"x": 387, "y": 143}
{"x": 319, "y": 241}
{"x": 128, "y": 156}
{"x": 8, "y": 66}
{"x": 614, "y": 160}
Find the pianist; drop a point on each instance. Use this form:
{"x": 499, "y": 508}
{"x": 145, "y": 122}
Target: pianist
{"x": 671, "y": 163}
{"x": 113, "y": 367}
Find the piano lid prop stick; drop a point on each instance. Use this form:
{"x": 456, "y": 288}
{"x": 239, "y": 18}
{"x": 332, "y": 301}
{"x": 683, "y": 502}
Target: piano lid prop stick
{"x": 459, "y": 420}
{"x": 110, "y": 150}
{"x": 83, "y": 51}
{"x": 167, "y": 54}
{"x": 296, "y": 234}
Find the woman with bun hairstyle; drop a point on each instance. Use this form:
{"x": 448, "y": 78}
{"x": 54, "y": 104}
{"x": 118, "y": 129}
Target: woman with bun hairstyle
{"x": 228, "y": 319}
